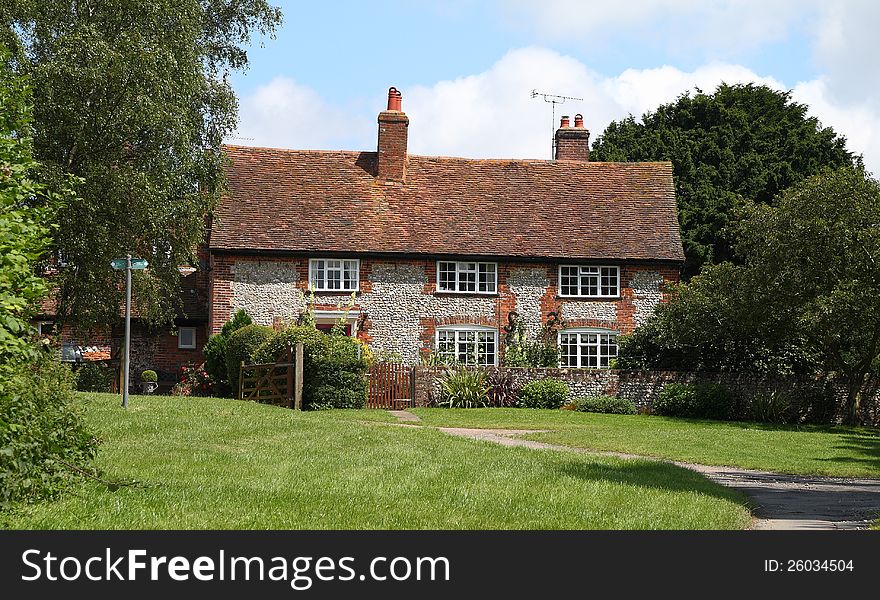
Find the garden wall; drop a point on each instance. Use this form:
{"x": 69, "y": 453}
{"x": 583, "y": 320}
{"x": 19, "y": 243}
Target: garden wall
{"x": 643, "y": 387}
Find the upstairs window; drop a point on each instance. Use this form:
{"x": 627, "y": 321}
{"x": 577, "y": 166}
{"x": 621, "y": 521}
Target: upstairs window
{"x": 467, "y": 277}
{"x": 589, "y": 281}
{"x": 334, "y": 275}
{"x": 467, "y": 344}
{"x": 587, "y": 349}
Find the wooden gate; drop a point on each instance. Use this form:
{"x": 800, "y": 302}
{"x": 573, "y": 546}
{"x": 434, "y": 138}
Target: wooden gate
{"x": 392, "y": 386}
{"x": 278, "y": 383}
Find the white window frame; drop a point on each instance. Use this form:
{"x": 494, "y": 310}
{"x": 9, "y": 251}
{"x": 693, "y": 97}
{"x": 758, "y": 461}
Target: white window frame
{"x": 41, "y": 324}
{"x": 321, "y": 286}
{"x": 579, "y": 331}
{"x": 458, "y": 331}
{"x": 180, "y": 343}
{"x": 599, "y": 274}
{"x": 463, "y": 266}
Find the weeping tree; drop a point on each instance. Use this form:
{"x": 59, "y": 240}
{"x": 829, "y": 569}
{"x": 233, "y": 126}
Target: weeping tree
{"x": 131, "y": 97}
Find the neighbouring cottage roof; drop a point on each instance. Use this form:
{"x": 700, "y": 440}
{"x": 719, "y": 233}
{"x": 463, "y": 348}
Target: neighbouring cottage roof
{"x": 314, "y": 201}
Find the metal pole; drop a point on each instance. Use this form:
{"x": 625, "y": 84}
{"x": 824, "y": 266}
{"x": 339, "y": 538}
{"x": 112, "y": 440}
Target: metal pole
{"x": 127, "y": 330}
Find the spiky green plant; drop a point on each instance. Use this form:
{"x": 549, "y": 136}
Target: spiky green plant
{"x": 463, "y": 387}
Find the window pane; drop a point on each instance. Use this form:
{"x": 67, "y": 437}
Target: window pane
{"x": 487, "y": 277}
{"x": 447, "y": 276}
{"x": 609, "y": 281}
{"x": 467, "y": 277}
{"x": 589, "y": 284}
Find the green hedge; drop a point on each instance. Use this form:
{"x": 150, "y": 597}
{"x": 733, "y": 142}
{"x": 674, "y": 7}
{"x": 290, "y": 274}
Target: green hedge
{"x": 605, "y": 404}
{"x": 241, "y": 347}
{"x": 43, "y": 440}
{"x": 334, "y": 366}
{"x": 544, "y": 393}
{"x": 95, "y": 377}
{"x": 215, "y": 353}
{"x": 696, "y": 401}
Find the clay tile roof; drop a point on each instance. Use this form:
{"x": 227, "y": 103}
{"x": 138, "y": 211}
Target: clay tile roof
{"x": 310, "y": 202}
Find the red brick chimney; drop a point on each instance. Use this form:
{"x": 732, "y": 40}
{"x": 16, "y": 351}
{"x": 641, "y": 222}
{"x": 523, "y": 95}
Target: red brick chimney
{"x": 391, "y": 154}
{"x": 573, "y": 143}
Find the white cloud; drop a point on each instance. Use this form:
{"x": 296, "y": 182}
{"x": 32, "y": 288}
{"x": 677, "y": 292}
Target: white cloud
{"x": 492, "y": 114}
{"x": 846, "y": 49}
{"x": 719, "y": 27}
{"x": 286, "y": 114}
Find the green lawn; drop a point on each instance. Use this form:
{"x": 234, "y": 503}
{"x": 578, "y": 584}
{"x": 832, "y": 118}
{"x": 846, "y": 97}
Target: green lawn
{"x": 808, "y": 450}
{"x": 210, "y": 463}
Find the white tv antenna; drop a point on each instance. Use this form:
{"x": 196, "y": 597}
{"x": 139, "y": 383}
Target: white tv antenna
{"x": 553, "y": 99}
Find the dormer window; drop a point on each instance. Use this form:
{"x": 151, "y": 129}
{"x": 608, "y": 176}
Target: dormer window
{"x": 334, "y": 275}
{"x": 467, "y": 277}
{"x": 589, "y": 281}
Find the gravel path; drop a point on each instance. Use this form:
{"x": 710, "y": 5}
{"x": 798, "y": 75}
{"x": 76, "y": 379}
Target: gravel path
{"x": 781, "y": 501}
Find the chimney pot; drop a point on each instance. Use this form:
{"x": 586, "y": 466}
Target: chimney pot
{"x": 394, "y": 99}
{"x": 579, "y": 120}
{"x": 564, "y": 121}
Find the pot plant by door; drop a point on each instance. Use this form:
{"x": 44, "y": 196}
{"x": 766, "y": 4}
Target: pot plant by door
{"x": 149, "y": 381}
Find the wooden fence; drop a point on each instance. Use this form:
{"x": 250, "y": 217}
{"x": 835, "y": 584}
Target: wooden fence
{"x": 391, "y": 386}
{"x": 278, "y": 383}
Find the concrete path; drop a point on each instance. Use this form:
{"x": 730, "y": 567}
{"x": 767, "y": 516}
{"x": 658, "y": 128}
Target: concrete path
{"x": 781, "y": 501}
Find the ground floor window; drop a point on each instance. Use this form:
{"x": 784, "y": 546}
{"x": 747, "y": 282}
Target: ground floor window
{"x": 590, "y": 349}
{"x": 468, "y": 345}
{"x": 186, "y": 338}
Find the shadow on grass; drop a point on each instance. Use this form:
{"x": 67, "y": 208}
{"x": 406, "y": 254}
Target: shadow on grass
{"x": 655, "y": 475}
{"x": 866, "y": 448}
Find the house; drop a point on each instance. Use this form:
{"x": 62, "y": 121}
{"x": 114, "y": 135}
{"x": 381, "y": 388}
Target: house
{"x": 421, "y": 254}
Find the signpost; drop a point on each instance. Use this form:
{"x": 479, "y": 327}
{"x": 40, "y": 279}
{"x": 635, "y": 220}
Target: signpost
{"x": 128, "y": 263}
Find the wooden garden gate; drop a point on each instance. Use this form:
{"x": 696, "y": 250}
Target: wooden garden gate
{"x": 278, "y": 383}
{"x": 392, "y": 386}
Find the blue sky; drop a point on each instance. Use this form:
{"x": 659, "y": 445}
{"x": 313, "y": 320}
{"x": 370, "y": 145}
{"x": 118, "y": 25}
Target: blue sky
{"x": 466, "y": 68}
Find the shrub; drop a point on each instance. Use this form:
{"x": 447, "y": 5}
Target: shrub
{"x": 149, "y": 376}
{"x": 95, "y": 377}
{"x": 42, "y": 435}
{"x": 696, "y": 401}
{"x": 194, "y": 381}
{"x": 605, "y": 404}
{"x": 771, "y": 407}
{"x": 241, "y": 346}
{"x": 544, "y": 393}
{"x": 339, "y": 375}
{"x": 215, "y": 352}
{"x": 463, "y": 387}
{"x": 502, "y": 389}
{"x": 532, "y": 353}
{"x": 334, "y": 366}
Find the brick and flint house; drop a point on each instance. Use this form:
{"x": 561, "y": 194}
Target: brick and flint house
{"x": 423, "y": 254}
{"x": 436, "y": 252}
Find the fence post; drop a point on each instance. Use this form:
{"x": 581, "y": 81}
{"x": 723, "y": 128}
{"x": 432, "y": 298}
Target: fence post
{"x": 289, "y": 371}
{"x": 412, "y": 378}
{"x": 240, "y": 371}
{"x": 298, "y": 385}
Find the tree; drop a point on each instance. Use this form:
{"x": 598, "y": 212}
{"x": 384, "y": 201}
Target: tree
{"x": 26, "y": 214}
{"x": 132, "y": 97}
{"x": 43, "y": 441}
{"x": 818, "y": 255}
{"x": 806, "y": 298}
{"x": 742, "y": 144}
